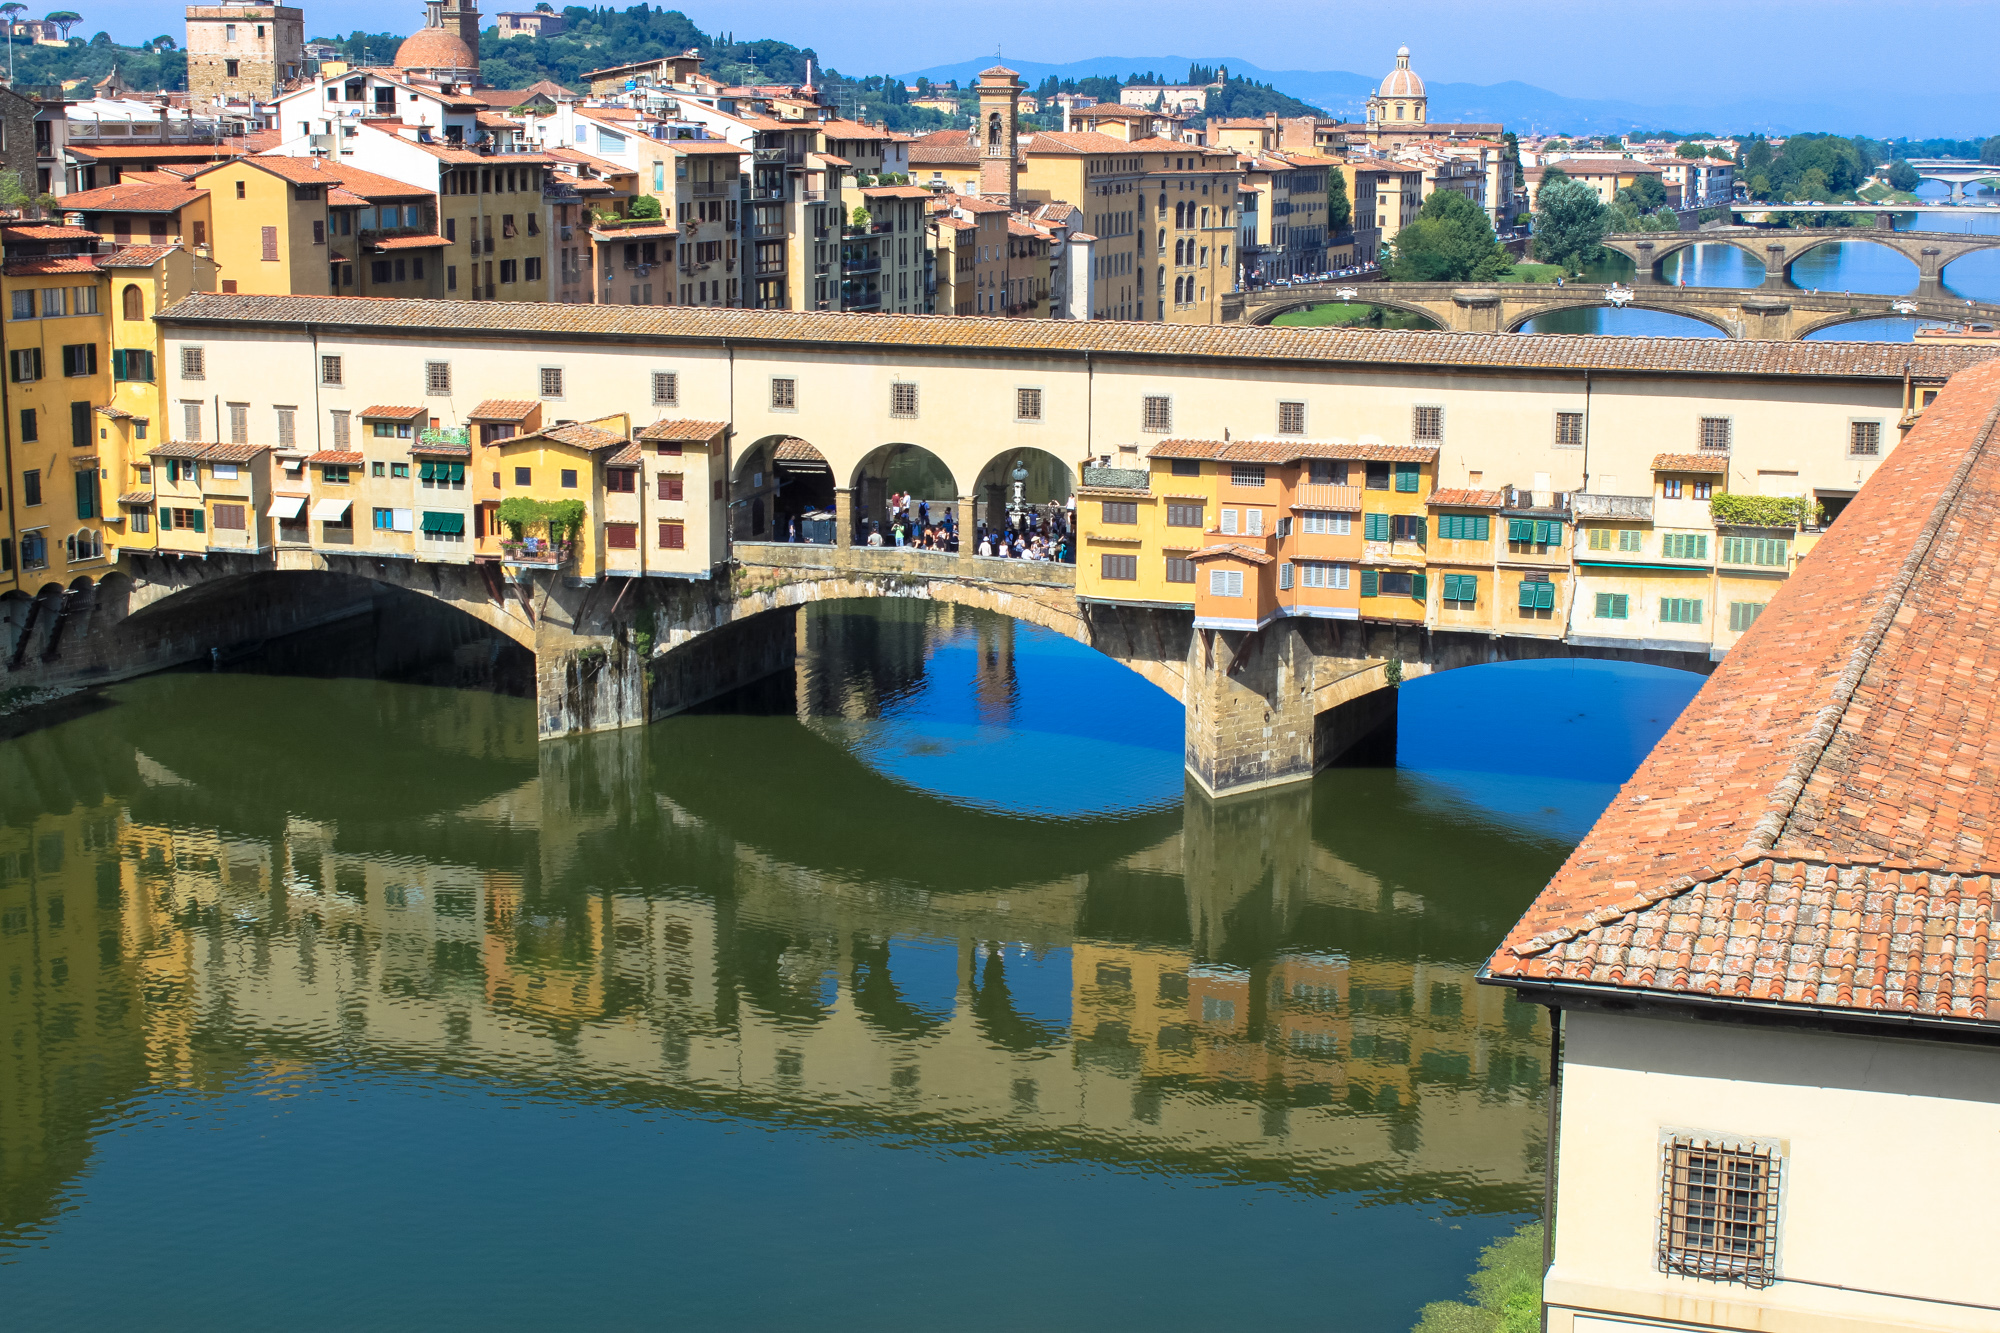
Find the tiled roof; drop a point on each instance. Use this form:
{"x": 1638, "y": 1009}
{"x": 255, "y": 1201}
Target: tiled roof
{"x": 1291, "y": 451}
{"x": 409, "y": 243}
{"x": 381, "y": 413}
{"x": 45, "y": 231}
{"x": 147, "y": 153}
{"x": 502, "y": 409}
{"x": 895, "y": 192}
{"x": 132, "y": 198}
{"x": 235, "y": 453}
{"x": 28, "y": 268}
{"x": 338, "y": 457}
{"x": 176, "y": 449}
{"x": 651, "y": 231}
{"x": 579, "y": 435}
{"x": 1465, "y": 499}
{"x": 1816, "y": 827}
{"x": 1234, "y": 552}
{"x": 630, "y": 456}
{"x": 719, "y": 146}
{"x": 1508, "y": 352}
{"x": 442, "y": 450}
{"x": 368, "y": 184}
{"x": 136, "y": 498}
{"x": 136, "y": 256}
{"x": 1716, "y": 463}
{"x": 788, "y": 450}
{"x": 679, "y": 429}
{"x": 1076, "y": 143}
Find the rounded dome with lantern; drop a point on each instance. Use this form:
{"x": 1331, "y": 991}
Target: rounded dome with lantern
{"x": 1401, "y": 98}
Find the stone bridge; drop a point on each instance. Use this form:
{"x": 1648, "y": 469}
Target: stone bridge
{"x": 1778, "y": 314}
{"x": 1264, "y": 707}
{"x": 1777, "y": 249}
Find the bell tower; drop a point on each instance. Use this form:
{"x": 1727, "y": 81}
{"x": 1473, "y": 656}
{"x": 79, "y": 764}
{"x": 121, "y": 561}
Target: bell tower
{"x": 998, "y": 134}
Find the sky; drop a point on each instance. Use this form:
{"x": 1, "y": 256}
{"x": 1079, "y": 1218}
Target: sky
{"x": 1676, "y": 51}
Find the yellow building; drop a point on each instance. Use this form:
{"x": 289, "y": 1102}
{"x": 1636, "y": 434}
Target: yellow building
{"x": 1395, "y": 526}
{"x": 1463, "y": 561}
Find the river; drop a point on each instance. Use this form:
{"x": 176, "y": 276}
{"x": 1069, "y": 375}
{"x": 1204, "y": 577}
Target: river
{"x": 908, "y": 989}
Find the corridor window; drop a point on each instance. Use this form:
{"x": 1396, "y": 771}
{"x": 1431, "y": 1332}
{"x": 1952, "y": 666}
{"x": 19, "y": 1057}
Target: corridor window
{"x": 552, "y": 382}
{"x": 1243, "y": 475}
{"x": 194, "y": 363}
{"x": 902, "y": 400}
{"x": 1742, "y": 615}
{"x": 784, "y": 395}
{"x": 1157, "y": 415}
{"x": 329, "y": 370}
{"x": 1291, "y": 418}
{"x": 1120, "y": 567}
{"x": 1569, "y": 430}
{"x": 1427, "y": 423}
{"x": 666, "y": 388}
{"x": 1719, "y": 1210}
{"x": 1864, "y": 438}
{"x": 1121, "y": 511}
{"x": 1680, "y": 611}
{"x": 1610, "y": 605}
{"x": 1027, "y": 404}
{"x": 1684, "y": 545}
{"x": 437, "y": 378}
{"x": 1715, "y": 435}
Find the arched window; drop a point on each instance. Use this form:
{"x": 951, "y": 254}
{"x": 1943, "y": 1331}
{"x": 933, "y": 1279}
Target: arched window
{"x": 993, "y": 140}
{"x": 135, "y": 302}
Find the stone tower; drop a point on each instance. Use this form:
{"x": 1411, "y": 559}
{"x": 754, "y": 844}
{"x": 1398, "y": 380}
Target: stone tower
{"x": 243, "y": 50}
{"x": 999, "y": 133}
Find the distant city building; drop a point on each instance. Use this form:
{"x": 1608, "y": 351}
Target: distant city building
{"x": 243, "y": 50}
{"x": 528, "y": 23}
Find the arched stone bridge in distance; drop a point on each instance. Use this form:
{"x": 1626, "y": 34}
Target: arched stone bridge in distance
{"x": 1776, "y": 311}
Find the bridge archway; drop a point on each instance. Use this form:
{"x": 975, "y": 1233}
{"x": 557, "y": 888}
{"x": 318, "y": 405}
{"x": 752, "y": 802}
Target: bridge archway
{"x": 894, "y": 469}
{"x": 1522, "y": 320}
{"x": 778, "y": 482}
{"x": 1266, "y": 314}
{"x": 1048, "y": 480}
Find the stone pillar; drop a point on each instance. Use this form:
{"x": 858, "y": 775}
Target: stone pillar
{"x": 843, "y": 517}
{"x": 1246, "y": 864}
{"x": 1645, "y": 266}
{"x": 1250, "y": 727}
{"x": 968, "y": 538}
{"x": 1930, "y": 272}
{"x": 583, "y": 681}
{"x": 1774, "y": 269}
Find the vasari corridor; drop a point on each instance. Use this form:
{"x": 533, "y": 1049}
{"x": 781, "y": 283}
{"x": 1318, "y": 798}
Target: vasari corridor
{"x": 662, "y": 677}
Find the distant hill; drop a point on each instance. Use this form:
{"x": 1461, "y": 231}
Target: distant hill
{"x": 1526, "y": 108}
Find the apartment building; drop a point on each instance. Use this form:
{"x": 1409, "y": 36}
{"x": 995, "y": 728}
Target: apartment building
{"x": 246, "y": 51}
{"x": 1283, "y": 230}
{"x": 1384, "y": 198}
{"x": 893, "y": 253}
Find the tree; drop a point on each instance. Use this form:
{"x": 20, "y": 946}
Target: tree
{"x": 1989, "y": 152}
{"x": 644, "y": 208}
{"x": 1645, "y": 194}
{"x": 1569, "y": 222}
{"x": 164, "y": 43}
{"x": 1450, "y": 241}
{"x": 64, "y": 19}
{"x": 1339, "y": 210}
{"x": 1903, "y": 176}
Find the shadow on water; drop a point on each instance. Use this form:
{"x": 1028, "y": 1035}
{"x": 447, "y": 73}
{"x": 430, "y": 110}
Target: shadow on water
{"x": 342, "y": 972}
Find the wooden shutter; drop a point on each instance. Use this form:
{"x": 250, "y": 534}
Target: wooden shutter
{"x": 1480, "y": 529}
{"x": 1371, "y": 583}
{"x": 1545, "y": 596}
{"x": 1420, "y": 587}
{"x": 270, "y": 245}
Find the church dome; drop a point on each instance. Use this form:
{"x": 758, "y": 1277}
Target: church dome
{"x": 434, "y": 48}
{"x": 1402, "y": 80}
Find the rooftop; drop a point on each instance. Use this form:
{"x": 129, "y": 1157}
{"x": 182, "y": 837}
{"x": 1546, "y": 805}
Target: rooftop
{"x": 1291, "y": 451}
{"x": 1814, "y": 830}
{"x": 1501, "y": 352}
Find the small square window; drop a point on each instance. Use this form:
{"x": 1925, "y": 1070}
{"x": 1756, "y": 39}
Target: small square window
{"x": 1291, "y": 418}
{"x": 552, "y": 382}
{"x": 1569, "y": 430}
{"x": 1864, "y": 438}
{"x": 329, "y": 370}
{"x": 1719, "y": 1210}
{"x": 666, "y": 388}
{"x": 1427, "y": 423}
{"x": 784, "y": 395}
{"x": 1028, "y": 404}
{"x": 1242, "y": 474}
{"x": 1158, "y": 416}
{"x": 569, "y": 478}
{"x": 902, "y": 400}
{"x": 437, "y": 378}
{"x": 523, "y": 476}
{"x": 1715, "y": 435}
{"x": 194, "y": 363}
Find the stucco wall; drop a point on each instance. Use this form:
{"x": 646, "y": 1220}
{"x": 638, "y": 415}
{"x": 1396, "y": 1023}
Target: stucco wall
{"x": 1891, "y": 1158}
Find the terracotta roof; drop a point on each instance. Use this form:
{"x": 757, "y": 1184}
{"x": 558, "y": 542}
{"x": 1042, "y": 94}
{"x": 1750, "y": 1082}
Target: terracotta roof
{"x": 703, "y": 146}
{"x": 148, "y": 153}
{"x": 442, "y": 450}
{"x": 379, "y": 413}
{"x": 895, "y": 192}
{"x": 1234, "y": 552}
{"x": 435, "y": 48}
{"x": 236, "y": 453}
{"x": 1506, "y": 352}
{"x": 114, "y": 413}
{"x": 788, "y": 450}
{"x": 1464, "y": 499}
{"x": 1716, "y": 463}
{"x": 142, "y": 198}
{"x": 45, "y": 231}
{"x": 175, "y": 449}
{"x": 409, "y": 243}
{"x": 630, "y": 456}
{"x": 1291, "y": 451}
{"x": 1816, "y": 827}
{"x": 28, "y": 268}
{"x": 338, "y": 457}
{"x": 136, "y": 498}
{"x": 368, "y": 184}
{"x": 651, "y": 231}
{"x": 136, "y": 256}
{"x": 1084, "y": 141}
{"x": 580, "y": 435}
{"x": 502, "y": 409}
{"x": 678, "y": 429}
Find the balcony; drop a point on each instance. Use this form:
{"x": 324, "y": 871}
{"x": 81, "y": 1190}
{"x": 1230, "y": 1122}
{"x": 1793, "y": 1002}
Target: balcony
{"x": 536, "y": 553}
{"x": 768, "y": 193}
{"x": 1638, "y": 507}
{"x": 713, "y": 189}
{"x": 770, "y": 155}
{"x": 1326, "y": 495}
{"x": 854, "y": 268}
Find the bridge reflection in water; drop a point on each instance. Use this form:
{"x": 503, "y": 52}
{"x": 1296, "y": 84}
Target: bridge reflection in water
{"x": 732, "y": 914}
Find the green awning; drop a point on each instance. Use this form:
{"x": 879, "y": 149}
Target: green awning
{"x": 427, "y": 472}
{"x": 457, "y": 471}
{"x": 446, "y": 523}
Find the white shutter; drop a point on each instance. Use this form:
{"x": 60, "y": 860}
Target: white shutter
{"x": 1229, "y": 521}
{"x": 1253, "y": 522}
{"x": 1340, "y": 576}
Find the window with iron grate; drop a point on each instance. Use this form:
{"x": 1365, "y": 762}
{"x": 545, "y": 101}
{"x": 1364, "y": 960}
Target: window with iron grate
{"x": 1427, "y": 423}
{"x": 902, "y": 400}
{"x": 1715, "y": 435}
{"x": 1719, "y": 1209}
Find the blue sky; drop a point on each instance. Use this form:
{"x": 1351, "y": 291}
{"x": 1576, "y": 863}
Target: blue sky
{"x": 1687, "y": 51}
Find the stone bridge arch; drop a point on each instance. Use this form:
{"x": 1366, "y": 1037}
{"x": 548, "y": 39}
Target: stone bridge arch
{"x": 1519, "y": 318}
{"x": 1364, "y": 294}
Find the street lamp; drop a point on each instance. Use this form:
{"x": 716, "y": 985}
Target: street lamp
{"x": 1020, "y": 476}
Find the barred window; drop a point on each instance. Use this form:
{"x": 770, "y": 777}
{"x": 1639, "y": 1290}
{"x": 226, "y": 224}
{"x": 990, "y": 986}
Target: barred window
{"x": 1715, "y": 435}
{"x": 552, "y": 382}
{"x": 194, "y": 363}
{"x": 1243, "y": 475}
{"x": 1159, "y": 414}
{"x": 1291, "y": 418}
{"x": 666, "y": 388}
{"x": 1121, "y": 566}
{"x": 784, "y": 395}
{"x": 329, "y": 370}
{"x": 1719, "y": 1210}
{"x": 1179, "y": 570}
{"x": 1427, "y": 423}
{"x": 1121, "y": 511}
{"x": 1569, "y": 430}
{"x": 1864, "y": 438}
{"x": 1183, "y": 515}
{"x": 902, "y": 400}
{"x": 437, "y": 377}
{"x": 1028, "y": 404}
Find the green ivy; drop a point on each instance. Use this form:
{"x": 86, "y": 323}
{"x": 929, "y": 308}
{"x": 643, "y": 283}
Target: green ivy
{"x": 1760, "y": 511}
{"x": 563, "y": 519}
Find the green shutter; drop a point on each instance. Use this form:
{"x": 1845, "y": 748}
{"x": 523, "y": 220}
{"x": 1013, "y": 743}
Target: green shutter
{"x": 1545, "y": 596}
{"x": 200, "y": 519}
{"x": 1520, "y": 529}
{"x": 118, "y": 364}
{"x": 457, "y": 472}
{"x": 427, "y": 472}
{"x": 1447, "y": 527}
{"x": 1406, "y": 477}
{"x": 1376, "y": 528}
{"x": 1420, "y": 587}
{"x": 1527, "y": 596}
{"x": 1423, "y": 531}
{"x": 1371, "y": 583}
{"x": 1480, "y": 531}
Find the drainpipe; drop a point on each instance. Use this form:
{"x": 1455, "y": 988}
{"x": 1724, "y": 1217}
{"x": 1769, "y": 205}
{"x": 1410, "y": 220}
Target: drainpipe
{"x": 1549, "y": 1157}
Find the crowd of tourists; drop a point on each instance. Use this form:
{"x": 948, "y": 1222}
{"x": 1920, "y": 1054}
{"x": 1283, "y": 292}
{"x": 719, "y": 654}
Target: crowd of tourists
{"x": 1044, "y": 532}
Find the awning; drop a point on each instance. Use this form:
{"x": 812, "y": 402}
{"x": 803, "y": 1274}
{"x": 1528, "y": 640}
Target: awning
{"x": 453, "y": 524}
{"x": 330, "y": 511}
{"x": 285, "y": 506}
{"x": 136, "y": 498}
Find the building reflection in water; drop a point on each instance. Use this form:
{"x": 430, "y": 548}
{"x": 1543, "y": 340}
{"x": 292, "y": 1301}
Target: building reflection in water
{"x": 224, "y": 875}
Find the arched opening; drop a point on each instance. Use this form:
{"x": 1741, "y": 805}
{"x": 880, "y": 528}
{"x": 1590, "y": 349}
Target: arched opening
{"x": 1629, "y": 321}
{"x": 1024, "y": 503}
{"x": 1712, "y": 264}
{"x": 135, "y": 302}
{"x": 782, "y": 492}
{"x": 1353, "y": 314}
{"x": 1860, "y": 266}
{"x": 903, "y": 493}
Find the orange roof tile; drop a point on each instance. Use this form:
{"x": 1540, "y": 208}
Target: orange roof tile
{"x": 408, "y": 243}
{"x": 338, "y": 457}
{"x": 238, "y": 453}
{"x": 503, "y": 409}
{"x": 1292, "y": 451}
{"x": 136, "y": 256}
{"x": 28, "y": 268}
{"x": 676, "y": 428}
{"x": 1816, "y": 828}
{"x": 630, "y": 456}
{"x": 391, "y": 413}
{"x": 143, "y": 198}
{"x": 578, "y": 435}
{"x": 1467, "y": 499}
{"x": 1234, "y": 552}
{"x": 1716, "y": 463}
{"x": 45, "y": 231}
